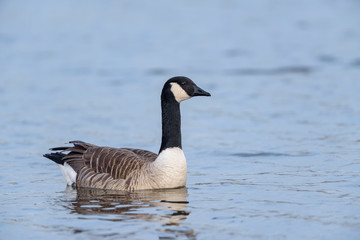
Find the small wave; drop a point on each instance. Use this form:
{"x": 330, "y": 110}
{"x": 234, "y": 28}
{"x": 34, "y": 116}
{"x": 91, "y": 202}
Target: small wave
{"x": 269, "y": 154}
{"x": 273, "y": 71}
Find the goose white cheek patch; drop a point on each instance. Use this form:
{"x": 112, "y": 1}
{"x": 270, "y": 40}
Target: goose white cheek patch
{"x": 179, "y": 93}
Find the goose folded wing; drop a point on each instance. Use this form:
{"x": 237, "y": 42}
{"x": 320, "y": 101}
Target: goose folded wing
{"x": 118, "y": 162}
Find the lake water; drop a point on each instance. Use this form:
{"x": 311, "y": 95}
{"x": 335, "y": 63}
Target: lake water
{"x": 273, "y": 154}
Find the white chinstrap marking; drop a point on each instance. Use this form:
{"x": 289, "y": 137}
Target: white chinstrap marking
{"x": 170, "y": 168}
{"x": 179, "y": 93}
{"x": 68, "y": 173}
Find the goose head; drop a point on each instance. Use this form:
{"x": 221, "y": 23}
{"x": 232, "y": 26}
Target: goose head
{"x": 181, "y": 88}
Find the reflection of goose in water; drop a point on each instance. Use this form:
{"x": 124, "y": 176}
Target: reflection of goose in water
{"x": 170, "y": 206}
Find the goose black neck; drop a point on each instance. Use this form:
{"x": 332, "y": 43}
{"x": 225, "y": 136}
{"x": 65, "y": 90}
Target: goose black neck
{"x": 171, "y": 122}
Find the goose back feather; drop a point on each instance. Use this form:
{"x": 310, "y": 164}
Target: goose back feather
{"x": 106, "y": 167}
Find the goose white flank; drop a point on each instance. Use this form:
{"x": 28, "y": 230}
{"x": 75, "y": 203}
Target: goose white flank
{"x": 88, "y": 165}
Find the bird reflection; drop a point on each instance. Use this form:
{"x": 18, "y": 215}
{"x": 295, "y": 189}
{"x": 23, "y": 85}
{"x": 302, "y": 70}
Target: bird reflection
{"x": 166, "y": 206}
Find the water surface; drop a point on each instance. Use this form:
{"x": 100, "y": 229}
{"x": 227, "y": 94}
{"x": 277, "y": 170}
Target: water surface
{"x": 273, "y": 154}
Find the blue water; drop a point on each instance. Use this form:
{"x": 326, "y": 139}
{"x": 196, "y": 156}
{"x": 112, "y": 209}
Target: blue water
{"x": 273, "y": 154}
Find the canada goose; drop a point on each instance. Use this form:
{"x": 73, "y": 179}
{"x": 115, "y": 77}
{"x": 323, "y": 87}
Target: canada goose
{"x": 88, "y": 165}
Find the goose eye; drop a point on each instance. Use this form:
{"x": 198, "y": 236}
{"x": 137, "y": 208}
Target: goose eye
{"x": 183, "y": 83}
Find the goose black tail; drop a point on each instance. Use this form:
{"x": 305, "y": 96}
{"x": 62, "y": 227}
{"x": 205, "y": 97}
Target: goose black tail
{"x": 56, "y": 157}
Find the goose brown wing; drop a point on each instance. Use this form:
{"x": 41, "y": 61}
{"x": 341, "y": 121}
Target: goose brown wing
{"x": 118, "y": 162}
{"x": 104, "y": 167}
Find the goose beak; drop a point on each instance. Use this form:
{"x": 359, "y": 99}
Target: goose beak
{"x": 200, "y": 92}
